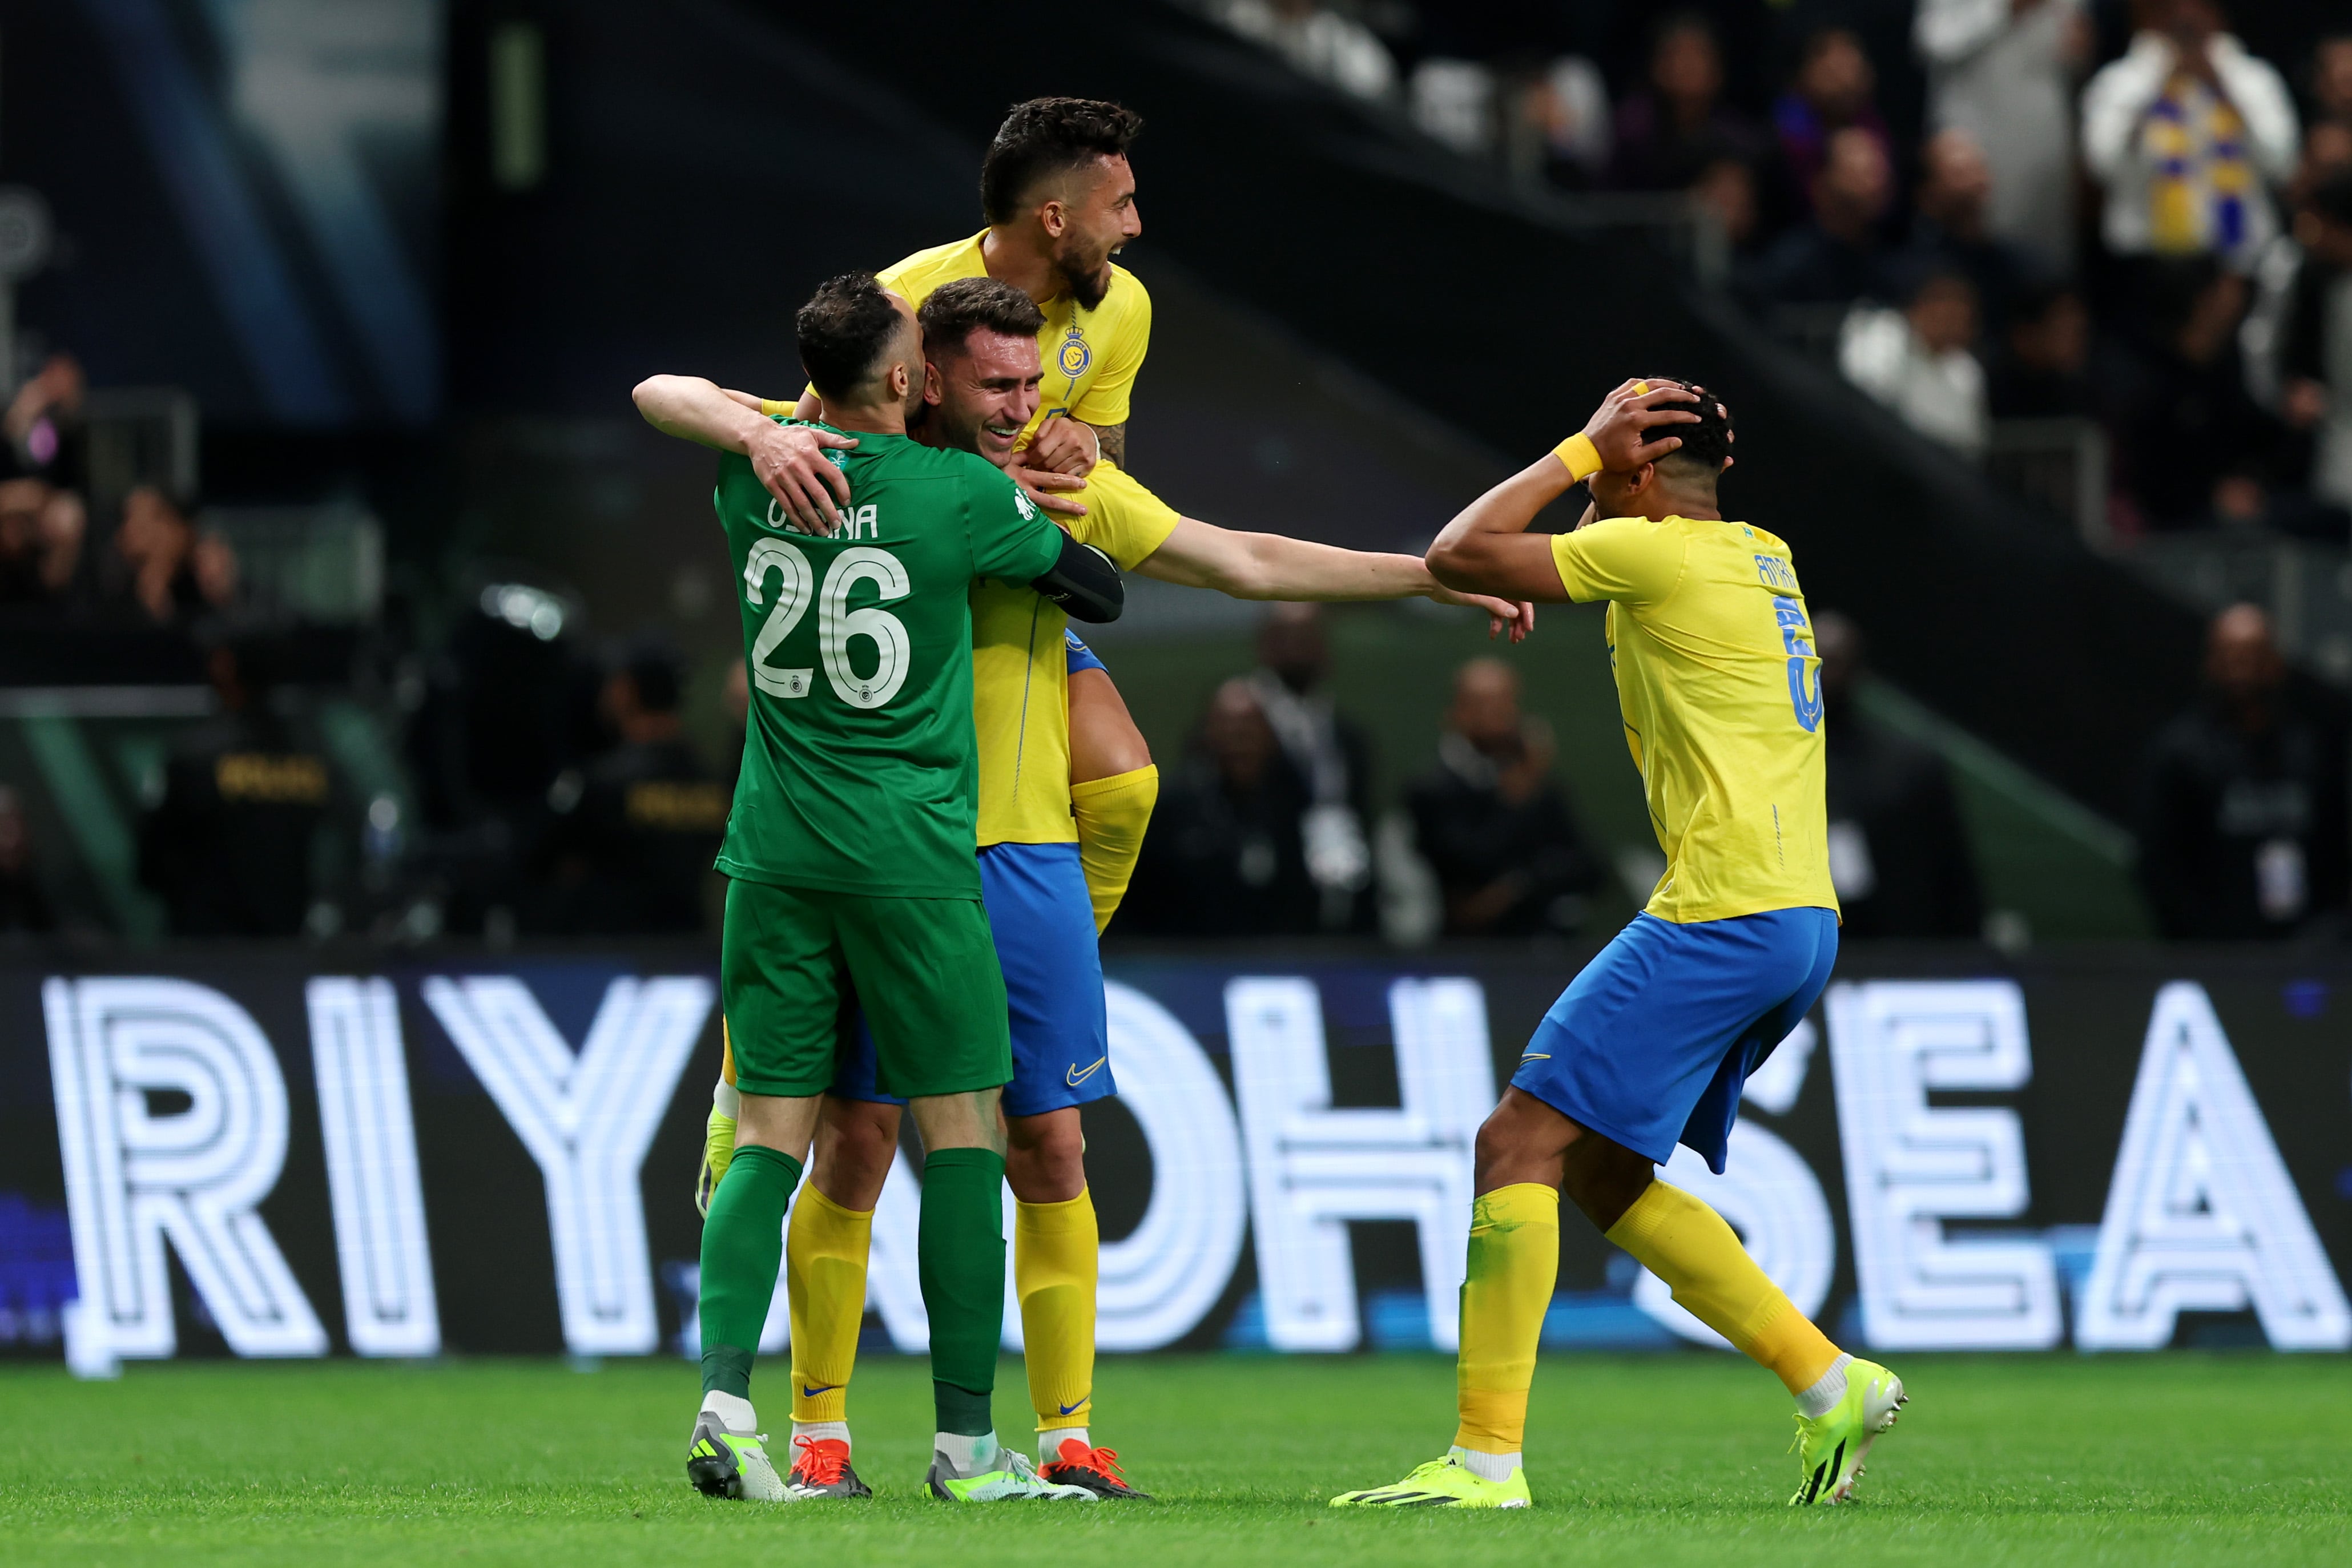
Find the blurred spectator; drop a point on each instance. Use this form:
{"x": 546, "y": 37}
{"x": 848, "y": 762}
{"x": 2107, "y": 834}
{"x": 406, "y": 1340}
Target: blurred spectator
{"x": 2003, "y": 71}
{"x": 1224, "y": 856}
{"x": 2039, "y": 371}
{"x": 43, "y": 426}
{"x": 1917, "y": 361}
{"x": 1832, "y": 93}
{"x": 1493, "y": 823}
{"x": 2187, "y": 131}
{"x": 1950, "y": 230}
{"x": 1330, "y": 754}
{"x": 228, "y": 848}
{"x": 170, "y": 572}
{"x": 1727, "y": 187}
{"x": 42, "y": 518}
{"x": 1835, "y": 256}
{"x": 2331, "y": 79}
{"x": 1453, "y": 102}
{"x": 23, "y": 905}
{"x": 1316, "y": 41}
{"x": 2241, "y": 829}
{"x": 2313, "y": 351}
{"x": 636, "y": 830}
{"x": 1674, "y": 130}
{"x": 2192, "y": 449}
{"x": 41, "y": 529}
{"x": 1568, "y": 106}
{"x": 1899, "y": 854}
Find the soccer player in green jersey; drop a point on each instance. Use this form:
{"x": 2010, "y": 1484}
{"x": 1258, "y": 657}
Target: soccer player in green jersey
{"x": 851, "y": 877}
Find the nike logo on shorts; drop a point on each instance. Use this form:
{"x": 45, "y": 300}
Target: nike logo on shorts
{"x": 1074, "y": 1077}
{"x": 1535, "y": 1056}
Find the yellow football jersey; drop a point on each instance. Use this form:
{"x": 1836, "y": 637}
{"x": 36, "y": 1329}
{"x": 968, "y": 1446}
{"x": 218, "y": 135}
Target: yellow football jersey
{"x": 1021, "y": 688}
{"x": 1020, "y": 671}
{"x": 1721, "y": 689}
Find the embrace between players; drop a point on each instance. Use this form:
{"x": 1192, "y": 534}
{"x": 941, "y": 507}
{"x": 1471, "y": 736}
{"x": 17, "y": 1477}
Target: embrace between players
{"x": 909, "y": 539}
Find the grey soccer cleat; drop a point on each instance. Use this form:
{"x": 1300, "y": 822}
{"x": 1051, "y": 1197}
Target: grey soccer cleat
{"x": 1008, "y": 1477}
{"x": 724, "y": 1463}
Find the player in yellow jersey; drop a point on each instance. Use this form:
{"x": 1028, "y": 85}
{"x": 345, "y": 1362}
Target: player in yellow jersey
{"x": 1043, "y": 899}
{"x": 1652, "y": 1043}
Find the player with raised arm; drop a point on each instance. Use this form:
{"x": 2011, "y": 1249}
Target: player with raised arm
{"x": 1651, "y": 1044}
{"x": 1048, "y": 896}
{"x": 851, "y": 876}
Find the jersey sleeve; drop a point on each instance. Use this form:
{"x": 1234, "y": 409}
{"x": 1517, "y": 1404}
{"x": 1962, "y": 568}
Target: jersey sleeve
{"x": 1105, "y": 398}
{"x": 1011, "y": 539}
{"x": 1124, "y": 521}
{"x": 1628, "y": 559}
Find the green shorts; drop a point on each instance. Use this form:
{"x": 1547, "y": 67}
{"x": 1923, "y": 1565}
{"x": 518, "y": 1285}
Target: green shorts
{"x": 796, "y": 963}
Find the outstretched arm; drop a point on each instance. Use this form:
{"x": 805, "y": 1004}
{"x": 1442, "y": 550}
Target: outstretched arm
{"x": 1275, "y": 566}
{"x": 1487, "y": 549}
{"x": 789, "y": 462}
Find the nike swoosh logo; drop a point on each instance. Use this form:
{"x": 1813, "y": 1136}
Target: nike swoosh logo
{"x": 1067, "y": 1408}
{"x": 1073, "y": 1077}
{"x": 808, "y": 1393}
{"x": 1535, "y": 1056}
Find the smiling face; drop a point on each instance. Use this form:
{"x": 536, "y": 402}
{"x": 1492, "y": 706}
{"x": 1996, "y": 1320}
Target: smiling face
{"x": 1089, "y": 219}
{"x": 984, "y": 393}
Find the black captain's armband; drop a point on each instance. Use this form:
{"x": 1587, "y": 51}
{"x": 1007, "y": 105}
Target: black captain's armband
{"x": 1085, "y": 584}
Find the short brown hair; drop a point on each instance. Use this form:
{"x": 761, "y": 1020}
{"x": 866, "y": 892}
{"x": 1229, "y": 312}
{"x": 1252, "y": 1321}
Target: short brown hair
{"x": 957, "y": 309}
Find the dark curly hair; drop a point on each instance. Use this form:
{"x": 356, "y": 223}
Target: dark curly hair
{"x": 1049, "y": 136}
{"x": 843, "y": 331}
{"x": 1705, "y": 444}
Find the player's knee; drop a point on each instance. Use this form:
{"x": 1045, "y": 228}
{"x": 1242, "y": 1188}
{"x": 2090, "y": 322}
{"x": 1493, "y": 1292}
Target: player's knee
{"x": 1045, "y": 1156}
{"x": 855, "y": 1142}
{"x": 1604, "y": 1179}
{"x": 1522, "y": 1141}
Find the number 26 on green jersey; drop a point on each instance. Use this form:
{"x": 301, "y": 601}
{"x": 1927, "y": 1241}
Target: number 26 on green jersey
{"x": 836, "y": 624}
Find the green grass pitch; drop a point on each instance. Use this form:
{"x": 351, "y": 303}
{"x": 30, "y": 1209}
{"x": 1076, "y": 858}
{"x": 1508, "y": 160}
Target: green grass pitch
{"x": 1654, "y": 1461}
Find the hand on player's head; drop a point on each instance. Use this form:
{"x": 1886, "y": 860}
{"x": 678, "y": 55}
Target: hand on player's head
{"x": 1619, "y": 428}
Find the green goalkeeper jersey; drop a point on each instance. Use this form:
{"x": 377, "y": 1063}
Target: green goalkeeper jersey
{"x": 859, "y": 771}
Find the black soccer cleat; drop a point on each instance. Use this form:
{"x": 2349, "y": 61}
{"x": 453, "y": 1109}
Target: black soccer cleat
{"x": 1097, "y": 1469}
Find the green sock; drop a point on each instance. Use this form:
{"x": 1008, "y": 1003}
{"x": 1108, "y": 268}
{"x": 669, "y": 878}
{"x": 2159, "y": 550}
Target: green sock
{"x": 960, "y": 1253}
{"x": 742, "y": 1248}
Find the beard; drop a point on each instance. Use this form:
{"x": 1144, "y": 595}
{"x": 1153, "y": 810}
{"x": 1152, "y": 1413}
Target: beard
{"x": 1087, "y": 285}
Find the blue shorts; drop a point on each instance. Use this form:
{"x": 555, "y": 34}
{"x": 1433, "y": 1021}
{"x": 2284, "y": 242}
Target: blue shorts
{"x": 1652, "y": 1043}
{"x": 1081, "y": 656}
{"x": 1043, "y": 922}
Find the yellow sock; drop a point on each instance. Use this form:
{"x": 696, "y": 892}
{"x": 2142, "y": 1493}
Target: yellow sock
{"x": 1514, "y": 1263}
{"x": 1687, "y": 1245}
{"x": 1057, "y": 1255}
{"x": 824, "y": 1279}
{"x": 1112, "y": 814}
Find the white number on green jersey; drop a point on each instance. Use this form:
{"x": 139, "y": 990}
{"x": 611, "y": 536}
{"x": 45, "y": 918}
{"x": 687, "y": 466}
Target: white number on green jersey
{"x": 792, "y": 603}
{"x": 836, "y": 624}
{"x": 834, "y": 629}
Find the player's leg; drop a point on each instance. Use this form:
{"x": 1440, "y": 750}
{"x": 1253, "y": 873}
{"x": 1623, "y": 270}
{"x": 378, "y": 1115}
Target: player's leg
{"x": 1037, "y": 904}
{"x": 781, "y": 982}
{"x": 934, "y": 996}
{"x": 1722, "y": 969}
{"x": 1113, "y": 782}
{"x": 826, "y": 1247}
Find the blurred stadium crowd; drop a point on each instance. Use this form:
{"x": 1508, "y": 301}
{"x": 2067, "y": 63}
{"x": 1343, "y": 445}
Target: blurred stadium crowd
{"x": 2113, "y": 239}
{"x": 1984, "y": 211}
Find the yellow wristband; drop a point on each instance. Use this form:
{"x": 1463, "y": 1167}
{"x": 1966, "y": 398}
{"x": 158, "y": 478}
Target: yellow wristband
{"x": 1583, "y": 459}
{"x": 770, "y": 407}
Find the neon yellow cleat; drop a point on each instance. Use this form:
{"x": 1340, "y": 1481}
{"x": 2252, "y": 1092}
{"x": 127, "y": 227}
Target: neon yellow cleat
{"x": 718, "y": 1150}
{"x": 1442, "y": 1483}
{"x": 1830, "y": 1448}
{"x": 1009, "y": 1478}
